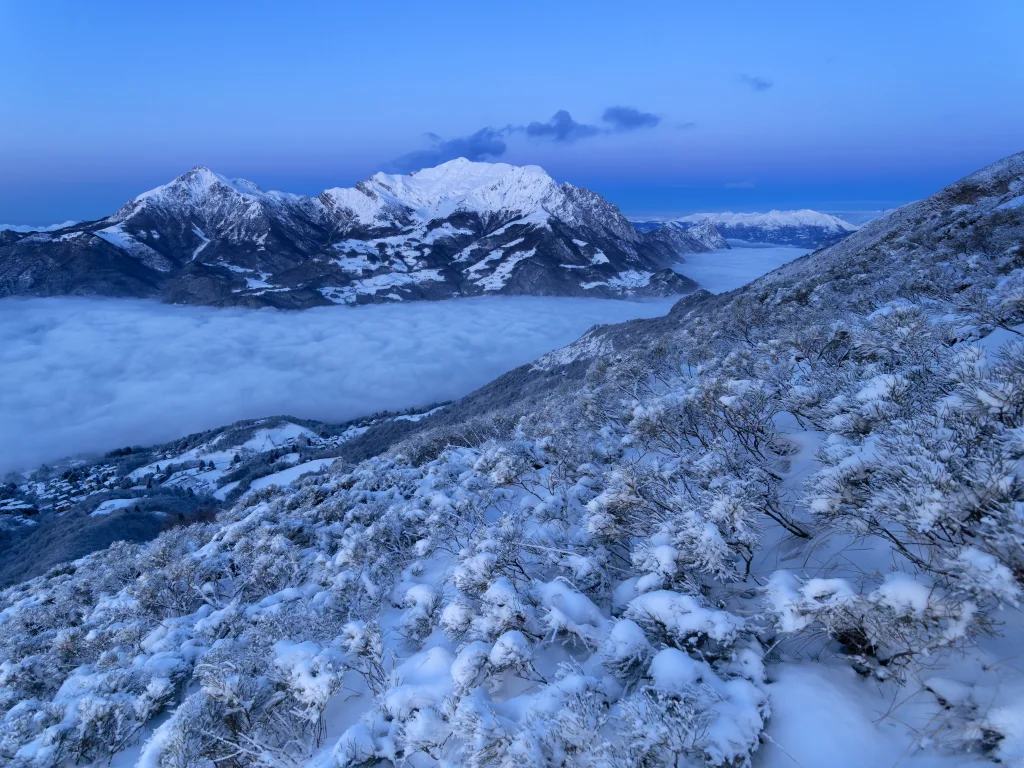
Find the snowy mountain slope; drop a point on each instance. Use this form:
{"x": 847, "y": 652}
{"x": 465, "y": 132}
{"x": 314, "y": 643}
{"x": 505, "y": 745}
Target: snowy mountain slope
{"x": 774, "y": 524}
{"x": 806, "y": 228}
{"x": 459, "y": 229}
{"x": 70, "y": 508}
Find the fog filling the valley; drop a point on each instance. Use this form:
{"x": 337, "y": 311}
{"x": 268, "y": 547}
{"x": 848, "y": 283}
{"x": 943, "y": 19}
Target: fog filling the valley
{"x": 80, "y": 374}
{"x": 726, "y": 270}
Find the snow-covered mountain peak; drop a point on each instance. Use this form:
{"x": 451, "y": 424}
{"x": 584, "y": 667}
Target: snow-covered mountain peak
{"x": 457, "y": 185}
{"x": 774, "y": 218}
{"x": 466, "y": 185}
{"x": 204, "y": 192}
{"x": 703, "y": 232}
{"x": 199, "y": 184}
{"x": 461, "y": 176}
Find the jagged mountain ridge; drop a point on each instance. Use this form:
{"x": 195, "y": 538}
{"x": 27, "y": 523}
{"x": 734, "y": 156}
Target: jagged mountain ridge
{"x": 459, "y": 229}
{"x": 704, "y": 231}
{"x": 25, "y": 228}
{"x": 803, "y": 228}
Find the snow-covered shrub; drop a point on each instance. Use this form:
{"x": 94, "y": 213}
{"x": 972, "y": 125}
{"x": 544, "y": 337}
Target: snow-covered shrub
{"x": 563, "y": 726}
{"x": 884, "y": 630}
{"x": 680, "y": 621}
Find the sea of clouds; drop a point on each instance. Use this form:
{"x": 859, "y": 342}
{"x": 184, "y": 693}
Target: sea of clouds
{"x": 726, "y": 270}
{"x": 81, "y": 375}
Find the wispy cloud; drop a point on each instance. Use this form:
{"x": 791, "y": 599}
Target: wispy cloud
{"x": 756, "y": 83}
{"x": 489, "y": 143}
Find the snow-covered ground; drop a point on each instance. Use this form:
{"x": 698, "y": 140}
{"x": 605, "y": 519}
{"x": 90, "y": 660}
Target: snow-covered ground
{"x": 94, "y": 374}
{"x": 726, "y": 270}
{"x": 287, "y": 476}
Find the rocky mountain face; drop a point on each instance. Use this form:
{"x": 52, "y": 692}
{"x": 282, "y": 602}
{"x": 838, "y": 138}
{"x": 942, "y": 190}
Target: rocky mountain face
{"x": 460, "y": 229}
{"x": 803, "y": 228}
{"x": 705, "y": 232}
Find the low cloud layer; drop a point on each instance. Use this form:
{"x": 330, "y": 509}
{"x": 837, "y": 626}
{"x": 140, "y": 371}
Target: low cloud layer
{"x": 721, "y": 271}
{"x": 95, "y": 374}
{"x": 489, "y": 143}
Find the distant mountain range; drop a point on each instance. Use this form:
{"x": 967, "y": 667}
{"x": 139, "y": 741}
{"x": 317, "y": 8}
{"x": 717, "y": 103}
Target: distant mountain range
{"x": 460, "y": 229}
{"x": 803, "y": 228}
{"x": 28, "y": 228}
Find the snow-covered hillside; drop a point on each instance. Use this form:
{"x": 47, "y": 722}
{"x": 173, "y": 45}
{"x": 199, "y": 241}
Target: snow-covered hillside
{"x": 803, "y": 228}
{"x": 460, "y": 229}
{"x": 780, "y": 526}
{"x": 67, "y": 509}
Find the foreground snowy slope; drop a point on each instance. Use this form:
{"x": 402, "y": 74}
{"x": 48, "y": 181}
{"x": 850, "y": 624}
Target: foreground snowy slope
{"x": 459, "y": 229}
{"x": 776, "y": 521}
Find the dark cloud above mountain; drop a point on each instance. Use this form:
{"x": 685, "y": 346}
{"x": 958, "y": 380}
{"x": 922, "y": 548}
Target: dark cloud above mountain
{"x": 629, "y": 119}
{"x": 486, "y": 144}
{"x": 561, "y": 127}
{"x": 756, "y": 83}
{"x": 489, "y": 143}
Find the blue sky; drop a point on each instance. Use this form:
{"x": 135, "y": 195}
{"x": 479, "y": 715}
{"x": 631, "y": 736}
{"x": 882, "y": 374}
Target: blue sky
{"x": 839, "y": 106}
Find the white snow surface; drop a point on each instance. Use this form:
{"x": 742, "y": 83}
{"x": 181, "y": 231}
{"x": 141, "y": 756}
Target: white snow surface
{"x": 85, "y": 374}
{"x": 290, "y": 475}
{"x": 112, "y": 505}
{"x": 825, "y": 715}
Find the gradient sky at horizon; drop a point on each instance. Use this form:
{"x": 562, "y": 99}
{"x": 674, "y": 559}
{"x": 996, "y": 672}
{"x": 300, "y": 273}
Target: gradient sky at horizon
{"x": 797, "y": 104}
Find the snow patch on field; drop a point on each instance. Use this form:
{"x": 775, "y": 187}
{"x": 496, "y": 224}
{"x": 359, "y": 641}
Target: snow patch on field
{"x": 290, "y": 475}
{"x": 627, "y": 280}
{"x": 497, "y": 279}
{"x": 373, "y": 285}
{"x": 112, "y": 505}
